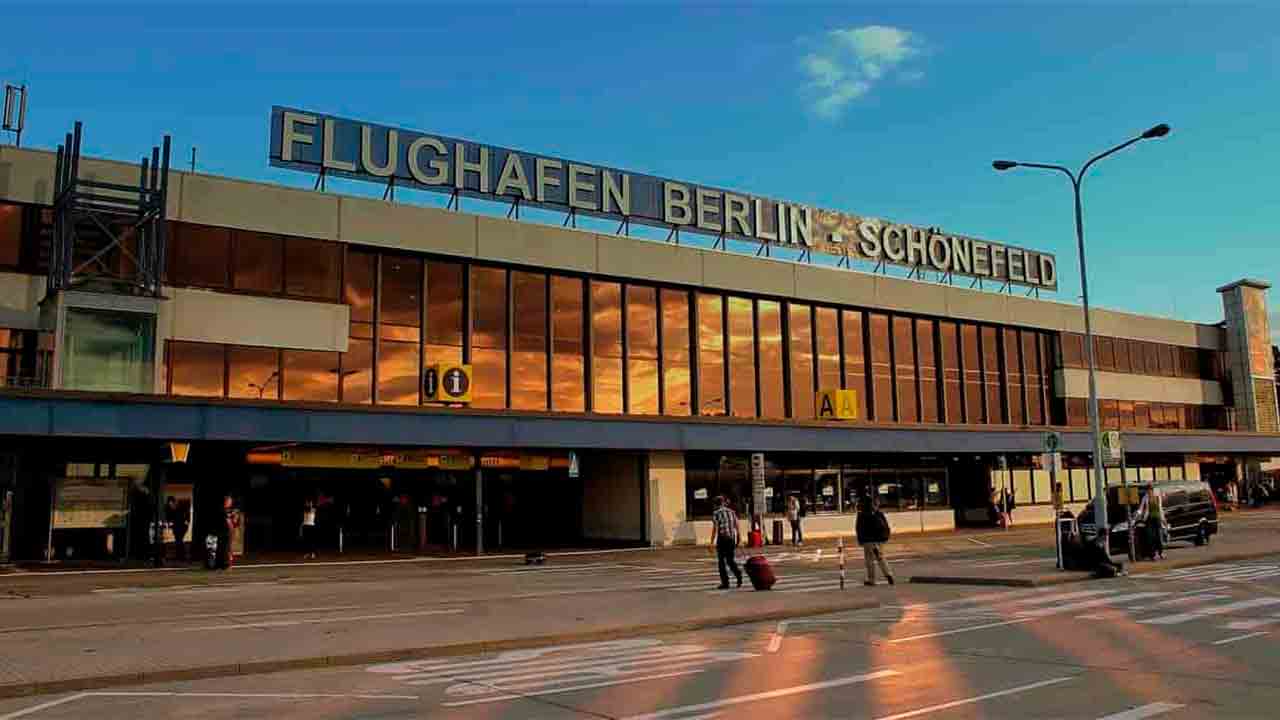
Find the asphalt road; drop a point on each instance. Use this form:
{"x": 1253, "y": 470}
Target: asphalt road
{"x": 1187, "y": 643}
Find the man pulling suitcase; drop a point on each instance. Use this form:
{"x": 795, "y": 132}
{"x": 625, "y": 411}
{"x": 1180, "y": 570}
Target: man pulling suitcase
{"x": 724, "y": 537}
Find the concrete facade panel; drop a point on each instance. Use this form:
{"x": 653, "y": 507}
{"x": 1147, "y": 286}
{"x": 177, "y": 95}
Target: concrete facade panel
{"x": 1074, "y": 383}
{"x": 819, "y": 284}
{"x": 964, "y": 304}
{"x": 204, "y": 316}
{"x": 743, "y": 273}
{"x": 541, "y": 246}
{"x": 19, "y": 300}
{"x": 26, "y": 176}
{"x": 612, "y": 496}
{"x": 258, "y": 206}
{"x": 407, "y": 227}
{"x": 910, "y": 296}
{"x": 649, "y": 260}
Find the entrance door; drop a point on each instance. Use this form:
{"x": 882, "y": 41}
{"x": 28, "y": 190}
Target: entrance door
{"x": 532, "y": 509}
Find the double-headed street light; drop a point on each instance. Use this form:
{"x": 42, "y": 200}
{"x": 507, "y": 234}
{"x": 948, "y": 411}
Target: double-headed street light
{"x": 1100, "y": 493}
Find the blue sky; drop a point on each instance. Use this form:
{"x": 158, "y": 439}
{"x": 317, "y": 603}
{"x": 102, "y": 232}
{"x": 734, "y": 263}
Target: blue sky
{"x": 893, "y": 111}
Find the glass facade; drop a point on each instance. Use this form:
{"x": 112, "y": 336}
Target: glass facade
{"x": 111, "y": 351}
{"x": 564, "y": 343}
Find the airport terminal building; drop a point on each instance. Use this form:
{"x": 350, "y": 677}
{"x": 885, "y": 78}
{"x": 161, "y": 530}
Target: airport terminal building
{"x": 437, "y": 379}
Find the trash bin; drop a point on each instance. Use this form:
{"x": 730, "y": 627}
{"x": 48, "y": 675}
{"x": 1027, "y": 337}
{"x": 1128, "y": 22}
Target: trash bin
{"x": 777, "y": 532}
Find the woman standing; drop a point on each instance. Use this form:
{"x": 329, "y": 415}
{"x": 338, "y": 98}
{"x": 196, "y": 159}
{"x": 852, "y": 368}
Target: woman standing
{"x": 1155, "y": 524}
{"x": 793, "y": 517}
{"x": 309, "y": 529}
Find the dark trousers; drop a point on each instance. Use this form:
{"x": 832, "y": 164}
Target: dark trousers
{"x": 724, "y": 557}
{"x": 797, "y": 533}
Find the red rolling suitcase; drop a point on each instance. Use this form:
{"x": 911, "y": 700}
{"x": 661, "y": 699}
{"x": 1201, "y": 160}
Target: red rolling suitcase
{"x": 760, "y": 572}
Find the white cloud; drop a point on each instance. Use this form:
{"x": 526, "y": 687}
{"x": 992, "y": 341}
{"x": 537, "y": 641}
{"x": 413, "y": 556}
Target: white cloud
{"x": 847, "y": 63}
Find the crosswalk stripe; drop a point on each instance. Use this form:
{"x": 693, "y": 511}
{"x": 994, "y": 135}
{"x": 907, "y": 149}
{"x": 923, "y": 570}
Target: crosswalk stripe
{"x": 1205, "y": 612}
{"x": 1143, "y": 712}
{"x": 1251, "y": 624}
{"x": 1085, "y": 604}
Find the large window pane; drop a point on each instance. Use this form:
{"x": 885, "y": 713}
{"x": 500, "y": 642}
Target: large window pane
{"x": 444, "y": 313}
{"x": 310, "y": 375}
{"x": 996, "y": 410}
{"x": 1168, "y": 360}
{"x": 1124, "y": 362}
{"x": 1013, "y": 377}
{"x": 711, "y": 390}
{"x": 769, "y": 318}
{"x": 253, "y": 372}
{"x": 529, "y": 346}
{"x": 311, "y": 268}
{"x": 642, "y": 350}
{"x": 568, "y": 371}
{"x": 257, "y": 264}
{"x": 357, "y": 290}
{"x": 1105, "y": 353}
{"x": 199, "y": 255}
{"x": 357, "y": 372}
{"x": 952, "y": 380}
{"x": 881, "y": 369}
{"x": 400, "y": 302}
{"x": 855, "y": 368}
{"x": 489, "y": 336}
{"x": 109, "y": 351}
{"x": 742, "y": 358}
{"x": 928, "y": 371}
{"x": 10, "y": 234}
{"x": 675, "y": 352}
{"x": 1077, "y": 412}
{"x": 801, "y": 343}
{"x": 828, "y": 337}
{"x": 1151, "y": 358}
{"x": 1072, "y": 350}
{"x": 971, "y": 353}
{"x": 398, "y": 372}
{"x": 1033, "y": 376}
{"x": 606, "y": 347}
{"x": 196, "y": 369}
{"x": 905, "y": 364}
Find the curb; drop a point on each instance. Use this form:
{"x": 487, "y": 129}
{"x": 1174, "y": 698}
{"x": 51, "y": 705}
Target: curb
{"x": 1064, "y": 577}
{"x": 14, "y": 690}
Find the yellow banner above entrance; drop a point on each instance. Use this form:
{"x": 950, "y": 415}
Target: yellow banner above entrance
{"x": 837, "y": 404}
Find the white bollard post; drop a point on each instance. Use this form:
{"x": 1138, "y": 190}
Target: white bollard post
{"x": 841, "y": 563}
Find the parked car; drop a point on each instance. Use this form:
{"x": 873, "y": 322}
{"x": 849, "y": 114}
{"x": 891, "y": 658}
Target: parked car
{"x": 1190, "y": 508}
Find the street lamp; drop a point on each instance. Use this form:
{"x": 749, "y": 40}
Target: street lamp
{"x": 1100, "y": 493}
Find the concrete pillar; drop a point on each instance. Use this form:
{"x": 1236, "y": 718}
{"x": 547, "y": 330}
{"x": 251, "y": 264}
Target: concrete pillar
{"x": 1249, "y": 364}
{"x": 665, "y": 511}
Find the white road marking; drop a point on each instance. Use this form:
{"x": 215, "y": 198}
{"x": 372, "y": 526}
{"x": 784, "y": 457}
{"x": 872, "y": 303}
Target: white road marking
{"x": 957, "y": 631}
{"x": 1252, "y": 624}
{"x": 977, "y": 698}
{"x": 1184, "y": 600}
{"x": 1086, "y": 604}
{"x": 236, "y": 696}
{"x": 976, "y": 541}
{"x": 769, "y": 695}
{"x": 320, "y": 621}
{"x": 1204, "y": 612}
{"x": 1146, "y": 711}
{"x": 179, "y": 618}
{"x": 584, "y": 686}
{"x": 1241, "y": 637}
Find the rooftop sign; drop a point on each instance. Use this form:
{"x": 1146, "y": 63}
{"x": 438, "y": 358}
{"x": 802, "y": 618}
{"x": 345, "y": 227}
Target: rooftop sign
{"x": 319, "y": 143}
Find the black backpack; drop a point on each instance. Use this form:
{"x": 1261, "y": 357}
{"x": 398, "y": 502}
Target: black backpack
{"x": 882, "y": 523}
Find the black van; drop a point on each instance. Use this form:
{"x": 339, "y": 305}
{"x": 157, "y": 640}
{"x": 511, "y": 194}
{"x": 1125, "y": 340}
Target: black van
{"x": 1189, "y": 508}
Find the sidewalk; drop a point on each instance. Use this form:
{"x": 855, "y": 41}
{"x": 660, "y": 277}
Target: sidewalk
{"x": 1244, "y": 536}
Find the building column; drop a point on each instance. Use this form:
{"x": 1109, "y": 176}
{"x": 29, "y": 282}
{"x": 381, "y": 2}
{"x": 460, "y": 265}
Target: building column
{"x": 1250, "y": 366}
{"x": 479, "y": 508}
{"x": 665, "y": 499}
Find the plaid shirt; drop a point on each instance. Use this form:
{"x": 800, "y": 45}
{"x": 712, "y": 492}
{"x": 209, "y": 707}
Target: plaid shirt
{"x": 726, "y": 522}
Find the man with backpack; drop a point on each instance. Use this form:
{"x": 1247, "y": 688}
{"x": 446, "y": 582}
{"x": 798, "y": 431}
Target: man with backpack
{"x": 872, "y": 529}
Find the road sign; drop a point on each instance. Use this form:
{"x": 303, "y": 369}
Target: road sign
{"x": 1052, "y": 442}
{"x": 1112, "y": 449}
{"x": 573, "y": 464}
{"x": 447, "y": 382}
{"x": 757, "y": 482}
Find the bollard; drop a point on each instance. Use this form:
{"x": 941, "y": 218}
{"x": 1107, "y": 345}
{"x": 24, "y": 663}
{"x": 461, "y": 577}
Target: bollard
{"x": 841, "y": 563}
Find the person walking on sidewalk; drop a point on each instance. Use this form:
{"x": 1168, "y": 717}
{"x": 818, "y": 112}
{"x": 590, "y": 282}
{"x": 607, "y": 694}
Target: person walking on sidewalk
{"x": 176, "y": 513}
{"x": 309, "y": 529}
{"x": 724, "y": 536}
{"x": 794, "y": 516}
{"x": 872, "y": 528}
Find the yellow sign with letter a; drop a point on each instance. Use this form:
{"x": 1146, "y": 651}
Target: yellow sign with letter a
{"x": 837, "y": 405}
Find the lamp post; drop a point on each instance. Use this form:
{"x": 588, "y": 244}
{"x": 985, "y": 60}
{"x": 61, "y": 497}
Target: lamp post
{"x": 1100, "y": 486}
